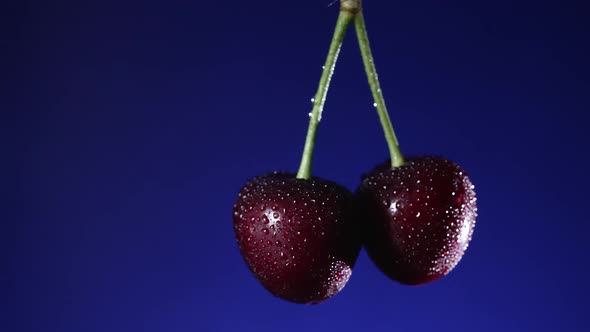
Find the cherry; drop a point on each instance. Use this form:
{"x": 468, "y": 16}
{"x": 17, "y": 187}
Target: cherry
{"x": 418, "y": 218}
{"x": 418, "y": 215}
{"x": 296, "y": 232}
{"x": 297, "y": 236}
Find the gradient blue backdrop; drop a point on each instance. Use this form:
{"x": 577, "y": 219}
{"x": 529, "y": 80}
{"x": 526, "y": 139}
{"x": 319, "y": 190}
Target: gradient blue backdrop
{"x": 136, "y": 122}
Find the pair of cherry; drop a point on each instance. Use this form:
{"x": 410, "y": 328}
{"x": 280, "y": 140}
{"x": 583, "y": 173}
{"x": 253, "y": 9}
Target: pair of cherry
{"x": 301, "y": 235}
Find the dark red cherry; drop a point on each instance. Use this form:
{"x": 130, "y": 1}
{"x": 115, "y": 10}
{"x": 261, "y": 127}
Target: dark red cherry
{"x": 297, "y": 236}
{"x": 417, "y": 219}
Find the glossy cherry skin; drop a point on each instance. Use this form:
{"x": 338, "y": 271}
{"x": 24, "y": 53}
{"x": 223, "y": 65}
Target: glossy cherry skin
{"x": 417, "y": 219}
{"x": 298, "y": 237}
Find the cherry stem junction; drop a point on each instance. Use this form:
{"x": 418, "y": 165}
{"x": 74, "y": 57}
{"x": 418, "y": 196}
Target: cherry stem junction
{"x": 397, "y": 158}
{"x": 347, "y": 13}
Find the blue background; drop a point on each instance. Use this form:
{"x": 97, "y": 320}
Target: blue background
{"x": 134, "y": 124}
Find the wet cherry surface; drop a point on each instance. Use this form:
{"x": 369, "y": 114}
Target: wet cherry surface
{"x": 418, "y": 219}
{"x": 297, "y": 236}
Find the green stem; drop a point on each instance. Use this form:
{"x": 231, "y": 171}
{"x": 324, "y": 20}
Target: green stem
{"x": 397, "y": 158}
{"x": 344, "y": 18}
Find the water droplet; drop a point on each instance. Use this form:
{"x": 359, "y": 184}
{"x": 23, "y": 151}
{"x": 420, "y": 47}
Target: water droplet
{"x": 374, "y": 104}
{"x": 265, "y": 219}
{"x": 339, "y": 274}
{"x": 393, "y": 207}
{"x": 265, "y": 231}
{"x": 275, "y": 215}
{"x": 312, "y": 100}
